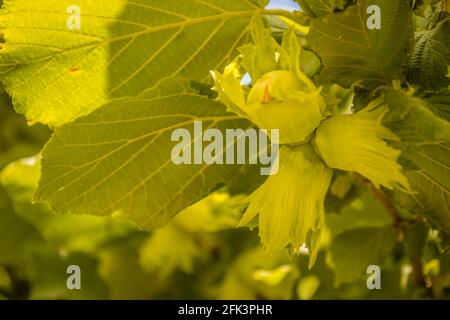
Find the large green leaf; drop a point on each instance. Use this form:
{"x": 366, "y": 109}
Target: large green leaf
{"x": 352, "y": 53}
{"x": 118, "y": 159}
{"x": 122, "y": 48}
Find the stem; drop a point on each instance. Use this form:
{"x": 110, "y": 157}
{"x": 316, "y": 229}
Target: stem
{"x": 417, "y": 272}
{"x": 399, "y": 224}
{"x": 379, "y": 194}
{"x": 390, "y": 208}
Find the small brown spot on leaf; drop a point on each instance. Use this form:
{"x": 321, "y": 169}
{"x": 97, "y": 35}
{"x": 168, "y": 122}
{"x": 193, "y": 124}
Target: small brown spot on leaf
{"x": 74, "y": 70}
{"x": 267, "y": 97}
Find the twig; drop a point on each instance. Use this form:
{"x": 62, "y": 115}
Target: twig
{"x": 399, "y": 224}
{"x": 390, "y": 208}
{"x": 444, "y": 5}
{"x": 417, "y": 272}
{"x": 379, "y": 194}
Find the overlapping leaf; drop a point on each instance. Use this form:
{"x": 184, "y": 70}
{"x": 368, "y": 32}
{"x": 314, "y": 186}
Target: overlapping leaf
{"x": 352, "y": 53}
{"x": 118, "y": 158}
{"x": 426, "y": 154}
{"x": 122, "y": 48}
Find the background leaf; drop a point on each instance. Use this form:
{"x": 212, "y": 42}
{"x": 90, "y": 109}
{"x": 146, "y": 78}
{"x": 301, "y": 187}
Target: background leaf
{"x": 48, "y": 273}
{"x": 351, "y": 53}
{"x": 354, "y": 250}
{"x": 431, "y": 57}
{"x": 16, "y": 234}
{"x": 71, "y": 233}
{"x": 426, "y": 155}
